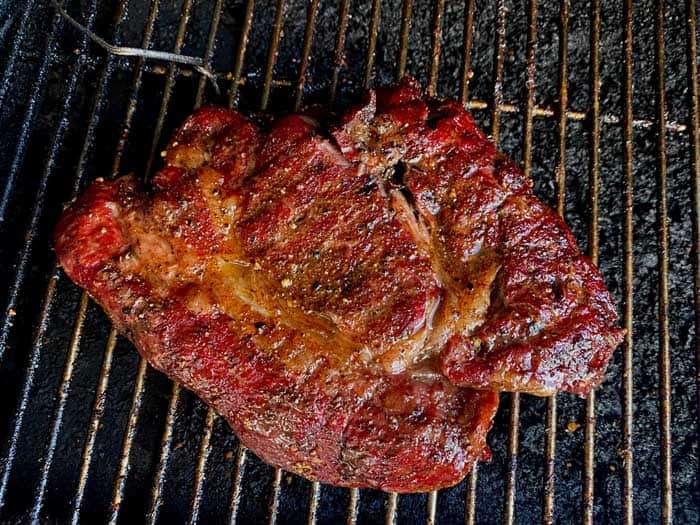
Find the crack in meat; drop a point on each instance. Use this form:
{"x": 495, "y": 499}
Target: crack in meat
{"x": 350, "y": 302}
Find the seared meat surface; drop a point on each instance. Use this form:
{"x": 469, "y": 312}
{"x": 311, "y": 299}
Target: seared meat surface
{"x": 352, "y": 303}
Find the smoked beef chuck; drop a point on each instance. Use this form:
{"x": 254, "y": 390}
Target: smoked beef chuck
{"x": 337, "y": 300}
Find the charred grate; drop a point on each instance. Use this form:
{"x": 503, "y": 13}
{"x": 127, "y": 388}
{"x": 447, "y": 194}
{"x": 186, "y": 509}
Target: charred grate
{"x": 599, "y": 100}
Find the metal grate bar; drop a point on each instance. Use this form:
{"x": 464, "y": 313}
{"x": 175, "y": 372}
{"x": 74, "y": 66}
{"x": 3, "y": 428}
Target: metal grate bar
{"x": 391, "y": 506}
{"x": 169, "y": 84}
{"x": 594, "y": 183}
{"x": 500, "y": 50}
{"x": 550, "y": 444}
{"x": 473, "y": 478}
{"x": 470, "y": 508}
{"x": 240, "y": 54}
{"x": 308, "y": 42}
{"x": 628, "y": 373}
{"x": 663, "y": 247}
{"x": 372, "y": 47}
{"x": 275, "y": 500}
{"x": 58, "y": 415}
{"x": 513, "y": 442}
{"x": 406, "y": 14}
{"x": 97, "y": 412}
{"x": 40, "y": 200}
{"x": 313, "y": 502}
{"x": 136, "y": 87}
{"x": 467, "y": 51}
{"x": 165, "y": 446}
{"x": 124, "y": 463}
{"x": 339, "y": 47}
{"x": 35, "y": 99}
{"x": 16, "y": 46}
{"x": 200, "y": 473}
{"x": 354, "y": 506}
{"x": 237, "y": 481}
{"x": 269, "y": 74}
{"x": 594, "y": 189}
{"x": 437, "y": 44}
{"x": 272, "y": 54}
{"x": 695, "y": 176}
{"x": 575, "y": 116}
{"x": 480, "y": 105}
{"x": 28, "y": 381}
{"x": 432, "y": 87}
{"x": 42, "y": 326}
{"x": 563, "y": 103}
{"x": 530, "y": 88}
{"x": 339, "y": 53}
{"x": 527, "y": 167}
{"x": 209, "y": 53}
{"x": 27, "y": 125}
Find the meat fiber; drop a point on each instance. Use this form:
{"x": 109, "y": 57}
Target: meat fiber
{"x": 350, "y": 302}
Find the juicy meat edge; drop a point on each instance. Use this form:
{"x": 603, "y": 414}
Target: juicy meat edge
{"x": 352, "y": 425}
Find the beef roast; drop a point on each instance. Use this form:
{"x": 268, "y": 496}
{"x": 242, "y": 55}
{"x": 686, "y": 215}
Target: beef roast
{"x": 350, "y": 302}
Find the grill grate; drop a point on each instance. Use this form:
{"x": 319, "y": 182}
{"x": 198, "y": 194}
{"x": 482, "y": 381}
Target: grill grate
{"x": 569, "y": 89}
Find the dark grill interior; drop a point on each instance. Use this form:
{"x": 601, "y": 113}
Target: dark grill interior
{"x": 598, "y": 99}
